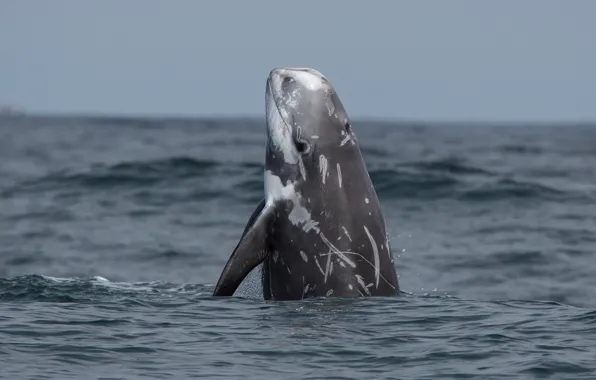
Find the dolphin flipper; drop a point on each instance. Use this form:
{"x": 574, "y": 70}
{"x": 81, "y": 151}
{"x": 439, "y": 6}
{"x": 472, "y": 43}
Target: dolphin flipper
{"x": 250, "y": 251}
{"x": 254, "y": 216}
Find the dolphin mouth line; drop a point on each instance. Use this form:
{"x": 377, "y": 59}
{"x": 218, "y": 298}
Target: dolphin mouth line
{"x": 289, "y": 128}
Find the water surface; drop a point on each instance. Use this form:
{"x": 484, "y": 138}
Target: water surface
{"x": 114, "y": 231}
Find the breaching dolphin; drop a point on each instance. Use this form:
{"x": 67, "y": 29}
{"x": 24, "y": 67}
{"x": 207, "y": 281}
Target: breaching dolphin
{"x": 319, "y": 231}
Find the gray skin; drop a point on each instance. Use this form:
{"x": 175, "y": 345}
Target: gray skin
{"x": 320, "y": 230}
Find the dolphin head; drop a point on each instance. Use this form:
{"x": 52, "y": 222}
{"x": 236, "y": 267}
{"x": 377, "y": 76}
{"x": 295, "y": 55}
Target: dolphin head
{"x": 305, "y": 117}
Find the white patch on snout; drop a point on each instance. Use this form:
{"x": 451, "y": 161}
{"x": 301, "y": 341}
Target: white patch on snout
{"x": 279, "y": 133}
{"x": 278, "y": 115}
{"x": 309, "y": 78}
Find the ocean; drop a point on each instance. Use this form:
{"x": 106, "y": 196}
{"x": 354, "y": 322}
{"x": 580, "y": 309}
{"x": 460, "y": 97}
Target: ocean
{"x": 113, "y": 232}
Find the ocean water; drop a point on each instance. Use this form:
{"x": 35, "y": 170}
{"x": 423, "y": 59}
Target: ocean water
{"x": 114, "y": 231}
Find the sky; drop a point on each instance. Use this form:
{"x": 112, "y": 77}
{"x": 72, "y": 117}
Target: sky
{"x": 506, "y": 60}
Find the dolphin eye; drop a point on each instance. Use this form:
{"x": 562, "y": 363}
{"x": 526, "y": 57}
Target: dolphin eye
{"x": 348, "y": 127}
{"x": 302, "y": 146}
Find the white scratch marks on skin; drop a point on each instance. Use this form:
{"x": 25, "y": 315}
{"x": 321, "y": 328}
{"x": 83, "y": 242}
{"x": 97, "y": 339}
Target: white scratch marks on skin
{"x": 304, "y": 257}
{"x": 329, "y": 104}
{"x": 319, "y": 266}
{"x": 302, "y": 169}
{"x": 275, "y": 256}
{"x": 387, "y": 244}
{"x": 305, "y": 288}
{"x": 345, "y": 140}
{"x": 329, "y": 293}
{"x": 311, "y": 225}
{"x": 323, "y": 167}
{"x": 365, "y": 260}
{"x": 334, "y": 250}
{"x": 350, "y": 286}
{"x": 339, "y": 179}
{"x": 366, "y": 200}
{"x": 327, "y": 267}
{"x": 346, "y": 232}
{"x": 331, "y": 268}
{"x": 314, "y": 137}
{"x": 376, "y": 255}
{"x": 362, "y": 285}
{"x": 346, "y": 137}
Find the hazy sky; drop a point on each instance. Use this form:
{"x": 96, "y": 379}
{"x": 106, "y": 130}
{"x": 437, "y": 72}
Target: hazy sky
{"x": 429, "y": 60}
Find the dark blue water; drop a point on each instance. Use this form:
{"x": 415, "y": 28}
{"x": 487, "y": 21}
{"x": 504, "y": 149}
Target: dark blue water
{"x": 113, "y": 232}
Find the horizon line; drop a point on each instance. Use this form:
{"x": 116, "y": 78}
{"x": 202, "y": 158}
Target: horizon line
{"x": 19, "y": 113}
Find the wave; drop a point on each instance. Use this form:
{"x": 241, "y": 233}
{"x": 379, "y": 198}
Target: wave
{"x": 506, "y": 188}
{"x": 451, "y": 165}
{"x": 136, "y": 173}
{"x": 41, "y": 288}
{"x": 440, "y": 180}
{"x": 450, "y": 177}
